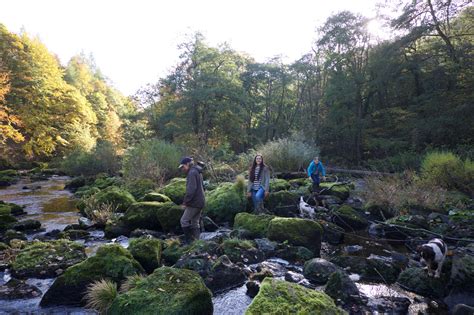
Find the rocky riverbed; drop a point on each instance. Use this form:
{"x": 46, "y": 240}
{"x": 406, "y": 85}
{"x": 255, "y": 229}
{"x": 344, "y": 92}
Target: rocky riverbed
{"x": 349, "y": 257}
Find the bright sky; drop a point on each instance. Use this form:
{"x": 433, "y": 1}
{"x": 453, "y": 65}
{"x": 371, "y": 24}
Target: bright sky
{"x": 135, "y": 42}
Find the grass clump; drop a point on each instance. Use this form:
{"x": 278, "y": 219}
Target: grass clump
{"x": 100, "y": 295}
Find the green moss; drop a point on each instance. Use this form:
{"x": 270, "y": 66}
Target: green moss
{"x": 3, "y": 246}
{"x": 340, "y": 191}
{"x": 348, "y": 218}
{"x": 234, "y": 247}
{"x": 9, "y": 173}
{"x": 6, "y": 221}
{"x": 169, "y": 216}
{"x": 298, "y": 182}
{"x": 299, "y": 232}
{"x": 278, "y": 184}
{"x": 168, "y": 291}
{"x": 281, "y": 297}
{"x": 10, "y": 208}
{"x": 257, "y": 225}
{"x": 282, "y": 199}
{"x": 38, "y": 257}
{"x": 120, "y": 198}
{"x": 173, "y": 249}
{"x": 140, "y": 187}
{"x": 175, "y": 190}
{"x": 111, "y": 262}
{"x": 418, "y": 281}
{"x": 147, "y": 252}
{"x": 154, "y": 196}
{"x": 224, "y": 202}
{"x": 143, "y": 215}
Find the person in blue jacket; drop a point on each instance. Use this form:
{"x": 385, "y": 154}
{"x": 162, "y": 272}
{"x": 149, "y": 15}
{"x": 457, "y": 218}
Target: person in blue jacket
{"x": 315, "y": 169}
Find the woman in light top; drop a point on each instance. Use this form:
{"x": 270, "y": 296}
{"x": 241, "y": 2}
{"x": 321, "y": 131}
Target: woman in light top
{"x": 259, "y": 183}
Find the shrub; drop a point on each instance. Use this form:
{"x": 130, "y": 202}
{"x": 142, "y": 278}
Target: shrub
{"x": 447, "y": 170}
{"x": 100, "y": 295}
{"x": 153, "y": 159}
{"x": 284, "y": 155}
{"x": 98, "y": 212}
{"x": 102, "y": 159}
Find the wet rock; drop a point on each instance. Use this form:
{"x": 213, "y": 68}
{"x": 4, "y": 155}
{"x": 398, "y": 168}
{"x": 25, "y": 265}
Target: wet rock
{"x": 298, "y": 232}
{"x": 85, "y": 223}
{"x": 16, "y": 289}
{"x": 353, "y": 249}
{"x": 332, "y": 233}
{"x": 116, "y": 228}
{"x": 169, "y": 290}
{"x": 375, "y": 268}
{"x": 342, "y": 289}
{"x": 11, "y": 208}
{"x": 257, "y": 225}
{"x": 418, "y": 281}
{"x": 266, "y": 246}
{"x": 111, "y": 262}
{"x": 74, "y": 234}
{"x": 252, "y": 288}
{"x": 209, "y": 224}
{"x": 462, "y": 272}
{"x": 262, "y": 274}
{"x": 381, "y": 212}
{"x": 463, "y": 309}
{"x": 349, "y": 219}
{"x": 292, "y": 276}
{"x": 241, "y": 251}
{"x": 391, "y": 305}
{"x": 296, "y": 254}
{"x": 27, "y": 225}
{"x": 281, "y": 297}
{"x": 146, "y": 233}
{"x": 147, "y": 252}
{"x": 42, "y": 259}
{"x": 412, "y": 224}
{"x": 318, "y": 270}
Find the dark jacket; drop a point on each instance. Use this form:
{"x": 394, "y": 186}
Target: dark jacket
{"x": 194, "y": 197}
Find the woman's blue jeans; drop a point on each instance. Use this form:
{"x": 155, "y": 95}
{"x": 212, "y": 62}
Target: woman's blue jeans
{"x": 257, "y": 202}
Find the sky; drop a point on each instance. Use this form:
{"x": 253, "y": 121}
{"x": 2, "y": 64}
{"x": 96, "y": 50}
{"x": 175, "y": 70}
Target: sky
{"x": 135, "y": 42}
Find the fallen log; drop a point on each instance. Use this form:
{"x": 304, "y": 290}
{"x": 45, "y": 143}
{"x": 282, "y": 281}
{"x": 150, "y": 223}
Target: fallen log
{"x": 332, "y": 170}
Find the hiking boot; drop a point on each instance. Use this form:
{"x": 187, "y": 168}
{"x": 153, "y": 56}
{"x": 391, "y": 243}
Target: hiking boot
{"x": 196, "y": 233}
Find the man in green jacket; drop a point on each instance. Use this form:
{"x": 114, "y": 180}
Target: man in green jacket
{"x": 194, "y": 199}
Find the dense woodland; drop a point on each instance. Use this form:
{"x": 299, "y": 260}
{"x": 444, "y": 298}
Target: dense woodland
{"x": 362, "y": 102}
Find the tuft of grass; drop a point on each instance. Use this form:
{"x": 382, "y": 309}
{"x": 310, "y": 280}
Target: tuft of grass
{"x": 131, "y": 282}
{"x": 100, "y": 295}
{"x": 99, "y": 212}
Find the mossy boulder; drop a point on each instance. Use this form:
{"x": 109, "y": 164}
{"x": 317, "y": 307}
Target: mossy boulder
{"x": 167, "y": 291}
{"x": 76, "y": 183}
{"x": 299, "y": 232}
{"x": 169, "y": 216}
{"x": 241, "y": 251}
{"x": 379, "y": 211}
{"x": 342, "y": 289}
{"x": 12, "y": 235}
{"x": 257, "y": 225}
{"x": 349, "y": 218}
{"x": 296, "y": 254}
{"x": 173, "y": 250}
{"x": 278, "y": 184}
{"x": 418, "y": 281}
{"x": 175, "y": 190}
{"x": 147, "y": 252}
{"x": 6, "y": 221}
{"x": 11, "y": 208}
{"x": 462, "y": 272}
{"x": 224, "y": 202}
{"x": 73, "y": 234}
{"x": 281, "y": 297}
{"x": 375, "y": 268}
{"x": 8, "y": 177}
{"x": 111, "y": 262}
{"x": 140, "y": 187}
{"x": 153, "y": 215}
{"x": 47, "y": 259}
{"x": 115, "y": 228}
{"x": 340, "y": 191}
{"x": 154, "y": 196}
{"x": 410, "y": 224}
{"x": 3, "y": 246}
{"x": 283, "y": 203}
{"x": 318, "y": 270}
{"x": 116, "y": 196}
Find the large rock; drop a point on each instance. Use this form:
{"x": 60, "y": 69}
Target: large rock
{"x": 167, "y": 291}
{"x": 154, "y": 196}
{"x": 375, "y": 268}
{"x": 278, "y": 184}
{"x": 241, "y": 251}
{"x": 224, "y": 202}
{"x": 26, "y": 225}
{"x": 47, "y": 259}
{"x": 281, "y": 297}
{"x": 16, "y": 289}
{"x": 332, "y": 233}
{"x": 153, "y": 215}
{"x": 340, "y": 191}
{"x": 349, "y": 219}
{"x": 11, "y": 208}
{"x": 115, "y": 196}
{"x": 462, "y": 272}
{"x": 418, "y": 281}
{"x": 147, "y": 251}
{"x": 257, "y": 225}
{"x": 283, "y": 203}
{"x": 299, "y": 232}
{"x": 342, "y": 289}
{"x": 318, "y": 270}
{"x": 111, "y": 262}
{"x": 175, "y": 190}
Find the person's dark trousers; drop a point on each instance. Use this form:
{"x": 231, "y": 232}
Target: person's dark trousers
{"x": 316, "y": 181}
{"x": 190, "y": 223}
